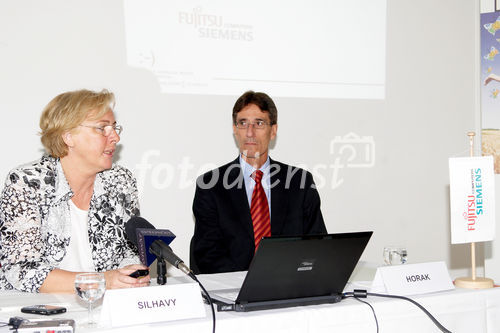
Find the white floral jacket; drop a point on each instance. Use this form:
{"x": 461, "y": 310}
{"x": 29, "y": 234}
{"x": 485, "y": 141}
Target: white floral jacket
{"x": 35, "y": 222}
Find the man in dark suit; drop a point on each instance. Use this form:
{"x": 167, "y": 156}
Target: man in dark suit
{"x": 251, "y": 197}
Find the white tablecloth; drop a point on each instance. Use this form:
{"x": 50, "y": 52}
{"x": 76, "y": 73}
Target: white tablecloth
{"x": 458, "y": 310}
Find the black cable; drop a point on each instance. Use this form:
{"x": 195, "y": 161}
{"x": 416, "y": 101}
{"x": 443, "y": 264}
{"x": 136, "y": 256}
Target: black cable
{"x": 371, "y": 307}
{"x": 207, "y": 297}
{"x": 3, "y": 324}
{"x": 434, "y": 320}
{"x": 363, "y": 294}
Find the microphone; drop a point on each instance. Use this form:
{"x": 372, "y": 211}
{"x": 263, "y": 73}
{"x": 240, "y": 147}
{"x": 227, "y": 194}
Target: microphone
{"x": 163, "y": 252}
{"x": 159, "y": 248}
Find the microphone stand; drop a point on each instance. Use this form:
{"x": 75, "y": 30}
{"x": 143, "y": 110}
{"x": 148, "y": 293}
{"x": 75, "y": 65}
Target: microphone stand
{"x": 161, "y": 269}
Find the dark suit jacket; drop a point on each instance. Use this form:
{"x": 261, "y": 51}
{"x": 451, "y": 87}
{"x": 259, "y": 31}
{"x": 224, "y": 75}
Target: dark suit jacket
{"x": 223, "y": 239}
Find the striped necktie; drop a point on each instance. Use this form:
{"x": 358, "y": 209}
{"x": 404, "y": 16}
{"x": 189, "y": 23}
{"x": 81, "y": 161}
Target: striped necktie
{"x": 259, "y": 209}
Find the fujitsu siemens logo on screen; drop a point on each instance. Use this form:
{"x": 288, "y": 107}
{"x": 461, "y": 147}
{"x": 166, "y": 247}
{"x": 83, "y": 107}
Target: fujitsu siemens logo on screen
{"x": 474, "y": 200}
{"x": 215, "y": 26}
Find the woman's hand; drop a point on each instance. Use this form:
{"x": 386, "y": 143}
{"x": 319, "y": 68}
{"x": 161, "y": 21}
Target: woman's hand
{"x": 119, "y": 278}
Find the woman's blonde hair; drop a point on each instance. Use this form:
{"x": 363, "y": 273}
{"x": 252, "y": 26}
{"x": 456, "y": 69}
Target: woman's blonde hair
{"x": 68, "y": 110}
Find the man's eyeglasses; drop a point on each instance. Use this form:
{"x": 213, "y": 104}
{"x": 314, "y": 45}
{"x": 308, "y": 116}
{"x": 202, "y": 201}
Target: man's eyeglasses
{"x": 258, "y": 124}
{"x": 107, "y": 129}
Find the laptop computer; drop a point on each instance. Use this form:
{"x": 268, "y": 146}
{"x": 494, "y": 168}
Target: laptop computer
{"x": 293, "y": 271}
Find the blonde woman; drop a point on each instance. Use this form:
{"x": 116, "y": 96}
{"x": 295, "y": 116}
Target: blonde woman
{"x": 65, "y": 213}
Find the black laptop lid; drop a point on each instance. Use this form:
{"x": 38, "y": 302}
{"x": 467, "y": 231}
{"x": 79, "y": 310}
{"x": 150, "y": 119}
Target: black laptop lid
{"x": 295, "y": 267}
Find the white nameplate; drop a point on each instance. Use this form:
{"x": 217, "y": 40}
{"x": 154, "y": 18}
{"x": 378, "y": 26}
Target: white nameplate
{"x": 152, "y": 304}
{"x": 412, "y": 279}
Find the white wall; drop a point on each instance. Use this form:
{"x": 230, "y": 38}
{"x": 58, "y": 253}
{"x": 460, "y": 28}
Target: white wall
{"x": 53, "y": 46}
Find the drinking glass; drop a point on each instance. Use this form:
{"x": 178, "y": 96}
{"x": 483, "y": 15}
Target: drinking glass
{"x": 395, "y": 255}
{"x": 90, "y": 287}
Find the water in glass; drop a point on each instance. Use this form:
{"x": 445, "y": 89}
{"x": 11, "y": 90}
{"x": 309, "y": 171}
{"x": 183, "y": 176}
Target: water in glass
{"x": 90, "y": 287}
{"x": 395, "y": 255}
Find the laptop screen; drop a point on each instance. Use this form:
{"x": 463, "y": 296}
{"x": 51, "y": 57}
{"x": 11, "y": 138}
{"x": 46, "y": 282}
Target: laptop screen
{"x": 307, "y": 266}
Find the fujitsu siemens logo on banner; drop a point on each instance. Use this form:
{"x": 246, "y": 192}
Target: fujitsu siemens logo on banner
{"x": 474, "y": 200}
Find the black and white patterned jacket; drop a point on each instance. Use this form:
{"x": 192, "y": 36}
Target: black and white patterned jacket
{"x": 35, "y": 224}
